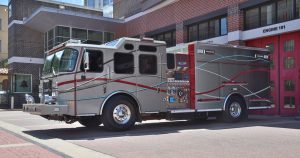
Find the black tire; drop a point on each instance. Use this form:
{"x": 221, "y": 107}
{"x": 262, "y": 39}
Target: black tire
{"x": 113, "y": 120}
{"x": 90, "y": 121}
{"x": 235, "y": 110}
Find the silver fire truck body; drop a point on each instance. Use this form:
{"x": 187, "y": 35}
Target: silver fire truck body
{"x": 129, "y": 80}
{"x": 211, "y": 78}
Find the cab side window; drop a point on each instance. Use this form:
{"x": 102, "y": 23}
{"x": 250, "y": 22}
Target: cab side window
{"x": 147, "y": 64}
{"x": 95, "y": 61}
{"x": 123, "y": 63}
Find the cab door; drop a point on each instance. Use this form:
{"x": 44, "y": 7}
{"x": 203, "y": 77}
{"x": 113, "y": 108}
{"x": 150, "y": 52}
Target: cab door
{"x": 149, "y": 80}
{"x": 90, "y": 84}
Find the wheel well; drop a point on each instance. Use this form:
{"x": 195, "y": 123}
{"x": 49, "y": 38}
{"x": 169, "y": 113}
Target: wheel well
{"x": 235, "y": 95}
{"x": 135, "y": 103}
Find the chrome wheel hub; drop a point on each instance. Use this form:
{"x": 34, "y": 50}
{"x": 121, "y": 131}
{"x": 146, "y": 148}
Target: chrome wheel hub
{"x": 121, "y": 114}
{"x": 235, "y": 109}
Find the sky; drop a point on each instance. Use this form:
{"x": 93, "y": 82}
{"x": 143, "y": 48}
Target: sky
{"x": 4, "y": 2}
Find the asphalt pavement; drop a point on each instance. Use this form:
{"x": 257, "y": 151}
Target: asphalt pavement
{"x": 259, "y": 137}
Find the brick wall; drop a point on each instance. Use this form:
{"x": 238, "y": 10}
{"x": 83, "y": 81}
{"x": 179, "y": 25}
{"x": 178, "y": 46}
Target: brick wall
{"x": 180, "y": 11}
{"x": 25, "y": 69}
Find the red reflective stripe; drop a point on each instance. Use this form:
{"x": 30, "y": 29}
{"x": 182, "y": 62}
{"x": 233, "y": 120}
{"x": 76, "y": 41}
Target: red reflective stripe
{"x": 210, "y": 90}
{"x": 119, "y": 81}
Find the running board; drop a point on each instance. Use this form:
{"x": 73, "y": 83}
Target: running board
{"x": 260, "y": 107}
{"x": 177, "y": 111}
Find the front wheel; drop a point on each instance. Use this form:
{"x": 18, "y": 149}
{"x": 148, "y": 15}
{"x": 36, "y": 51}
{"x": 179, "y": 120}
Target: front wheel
{"x": 235, "y": 110}
{"x": 119, "y": 114}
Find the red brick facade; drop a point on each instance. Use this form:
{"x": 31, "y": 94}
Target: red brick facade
{"x": 177, "y": 12}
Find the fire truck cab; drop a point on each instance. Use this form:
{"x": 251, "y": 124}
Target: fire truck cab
{"x": 129, "y": 80}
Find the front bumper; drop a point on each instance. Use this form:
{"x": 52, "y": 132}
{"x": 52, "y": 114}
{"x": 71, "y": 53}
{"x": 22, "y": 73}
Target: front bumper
{"x": 45, "y": 109}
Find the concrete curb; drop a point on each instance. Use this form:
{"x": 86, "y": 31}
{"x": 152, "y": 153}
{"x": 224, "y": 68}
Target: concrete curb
{"x": 59, "y": 145}
{"x": 10, "y": 110}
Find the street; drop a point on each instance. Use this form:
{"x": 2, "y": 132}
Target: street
{"x": 260, "y": 136}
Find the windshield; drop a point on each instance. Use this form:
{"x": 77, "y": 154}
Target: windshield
{"x": 61, "y": 61}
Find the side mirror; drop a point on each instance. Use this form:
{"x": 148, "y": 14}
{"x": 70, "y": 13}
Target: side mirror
{"x": 86, "y": 61}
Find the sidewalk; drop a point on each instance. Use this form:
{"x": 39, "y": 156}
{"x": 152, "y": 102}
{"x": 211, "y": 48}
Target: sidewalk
{"x": 12, "y": 146}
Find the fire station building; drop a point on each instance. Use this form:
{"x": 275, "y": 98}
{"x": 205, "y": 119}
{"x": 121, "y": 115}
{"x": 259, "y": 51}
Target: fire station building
{"x": 272, "y": 24}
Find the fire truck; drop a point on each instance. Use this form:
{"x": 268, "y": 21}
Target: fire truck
{"x": 130, "y": 80}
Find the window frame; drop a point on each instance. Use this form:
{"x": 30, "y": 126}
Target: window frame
{"x": 82, "y": 61}
{"x": 290, "y": 98}
{"x": 207, "y": 21}
{"x": 133, "y": 60}
{"x": 14, "y": 82}
{"x": 289, "y": 86}
{"x": 156, "y": 67}
{"x": 285, "y": 62}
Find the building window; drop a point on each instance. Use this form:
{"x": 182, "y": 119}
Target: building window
{"x": 289, "y": 85}
{"x": 0, "y": 24}
{"x": 193, "y": 33}
{"x": 289, "y": 45}
{"x": 9, "y": 11}
{"x": 214, "y": 28}
{"x": 79, "y": 34}
{"x": 62, "y": 34}
{"x": 108, "y": 36}
{"x": 123, "y": 63}
{"x": 95, "y": 36}
{"x": 289, "y": 62}
{"x": 208, "y": 29}
{"x": 22, "y": 83}
{"x": 252, "y": 18}
{"x": 224, "y": 27}
{"x": 297, "y": 8}
{"x": 267, "y": 14}
{"x": 203, "y": 31}
{"x": 285, "y": 10}
{"x": 169, "y": 37}
{"x": 289, "y": 102}
{"x": 147, "y": 64}
{"x": 45, "y": 42}
{"x": 50, "y": 37}
{"x": 275, "y": 12}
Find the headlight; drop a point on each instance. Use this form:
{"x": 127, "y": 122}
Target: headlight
{"x": 29, "y": 99}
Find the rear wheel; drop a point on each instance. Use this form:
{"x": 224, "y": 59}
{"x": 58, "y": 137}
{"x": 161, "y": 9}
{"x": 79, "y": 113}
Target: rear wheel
{"x": 90, "y": 121}
{"x": 119, "y": 114}
{"x": 235, "y": 110}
